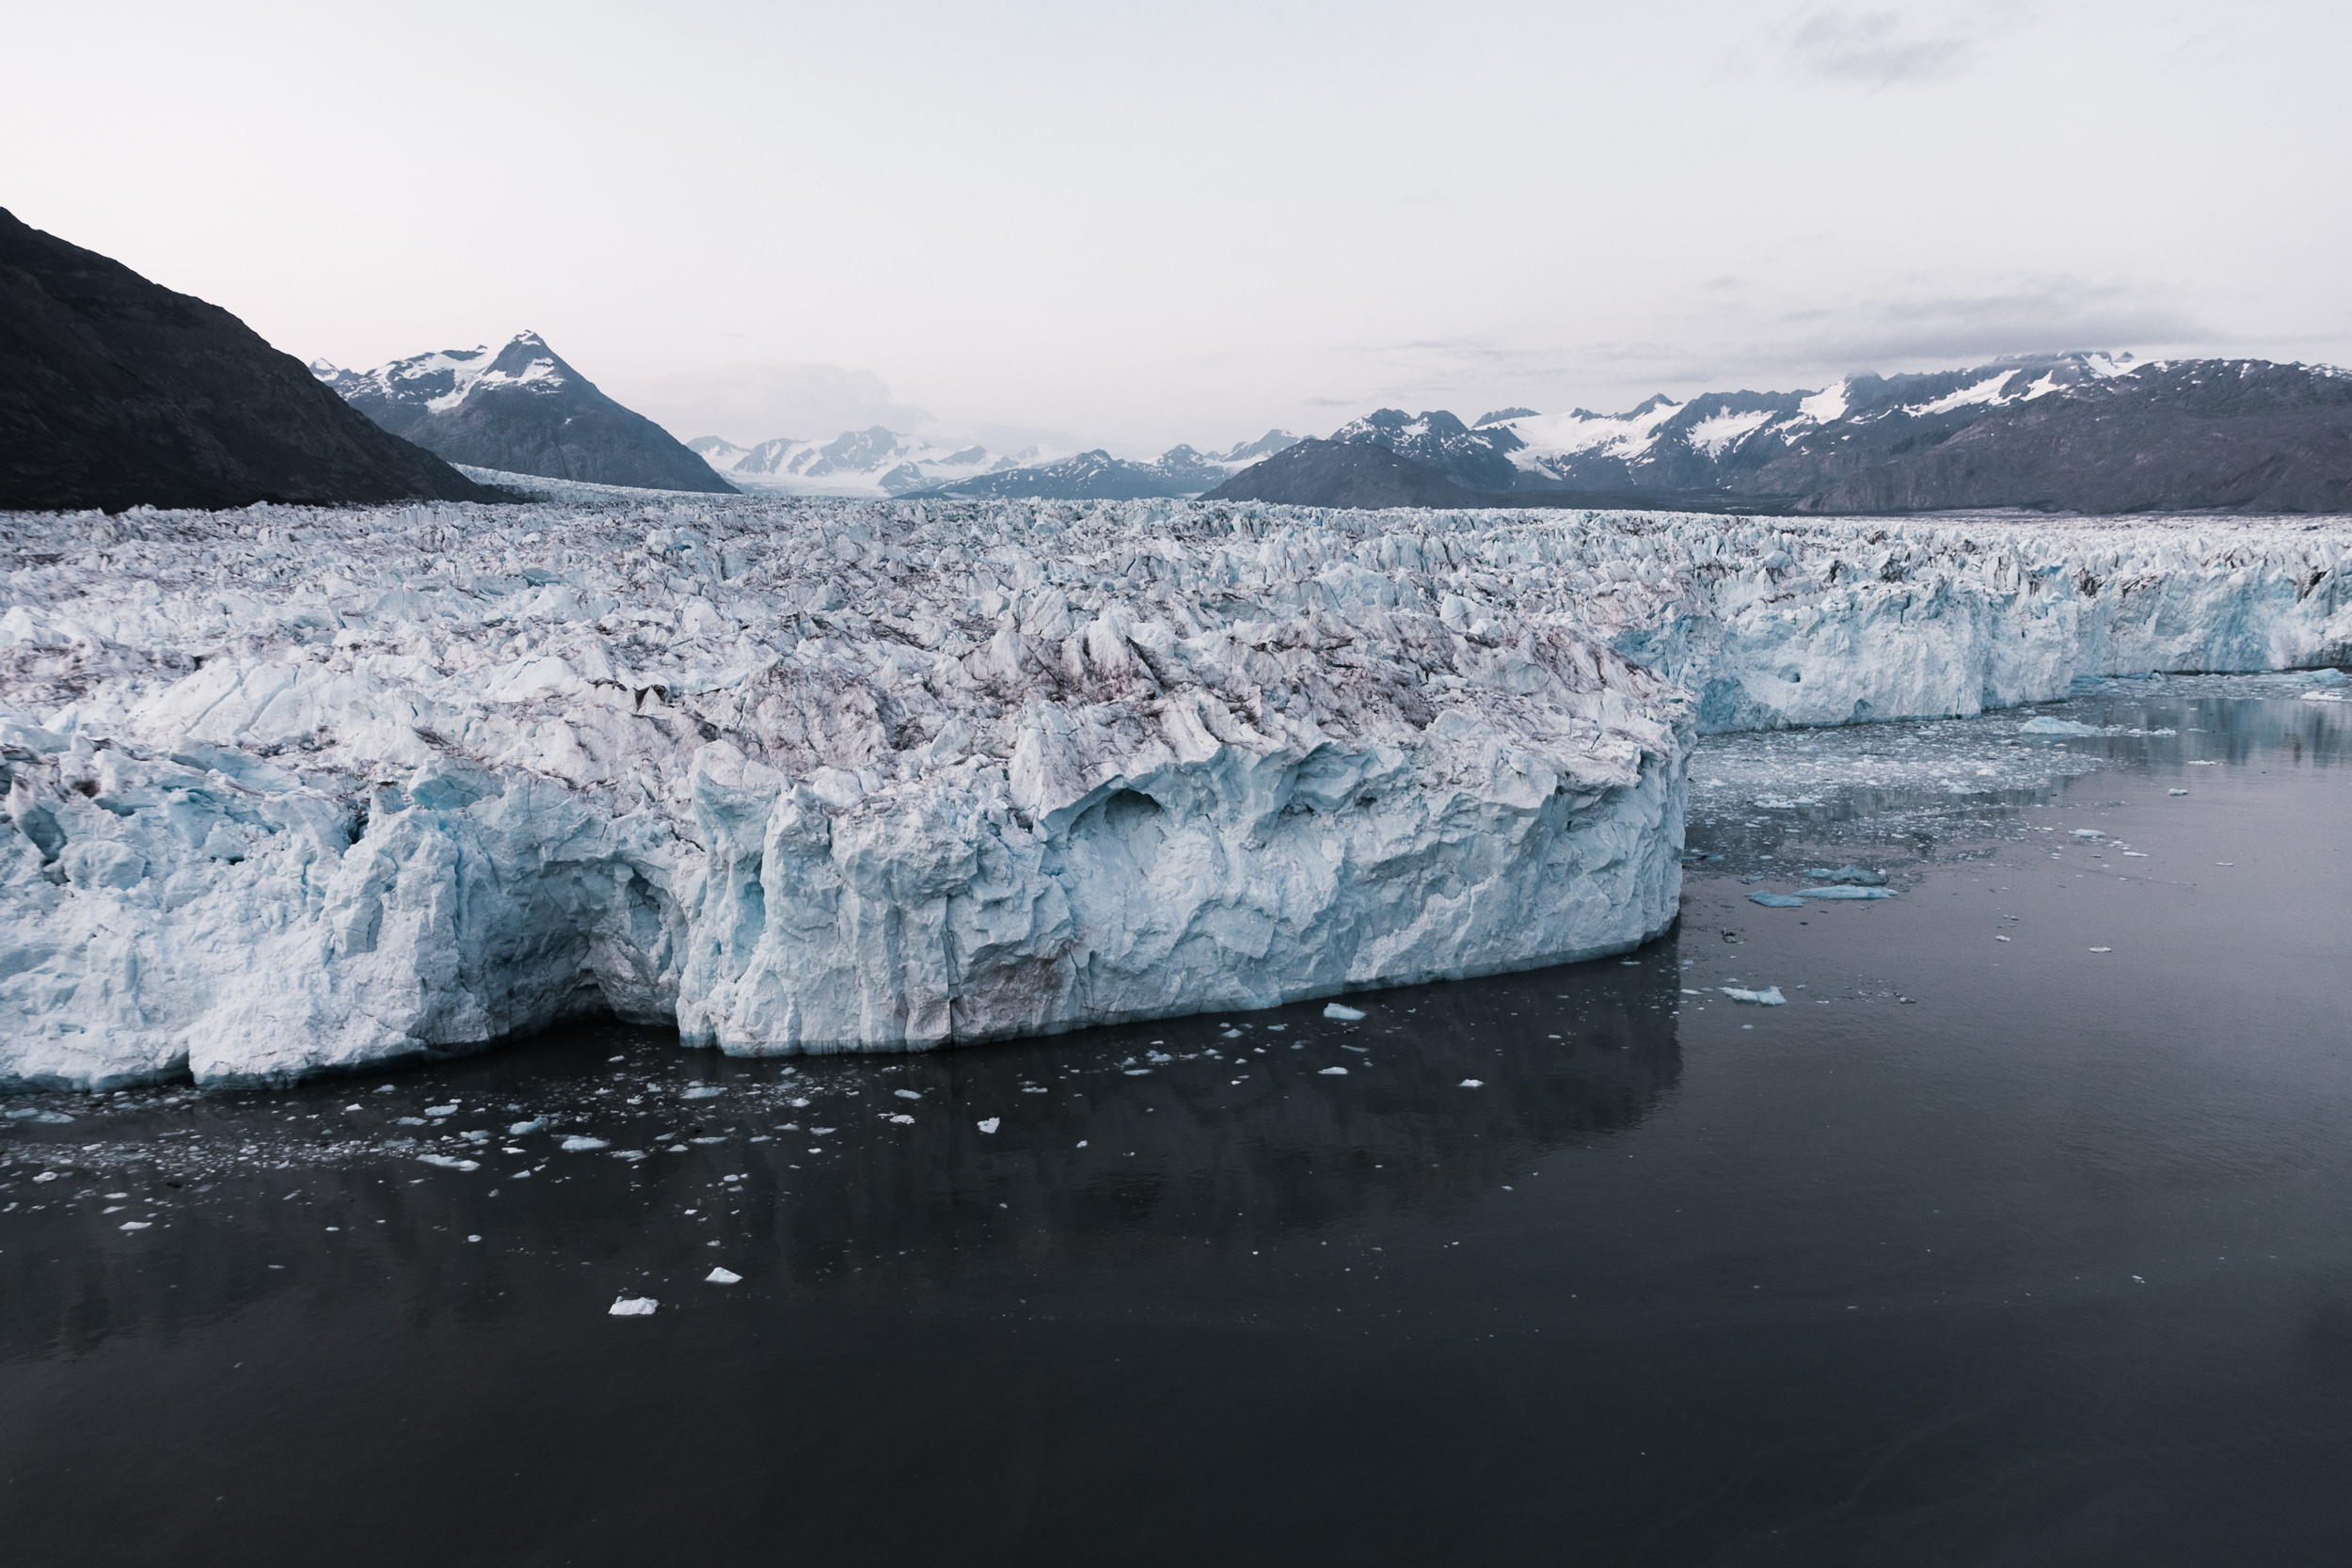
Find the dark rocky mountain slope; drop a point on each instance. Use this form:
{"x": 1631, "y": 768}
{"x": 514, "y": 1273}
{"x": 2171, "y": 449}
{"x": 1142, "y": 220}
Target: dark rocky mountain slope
{"x": 118, "y": 392}
{"x": 521, "y": 410}
{"x": 1343, "y": 473}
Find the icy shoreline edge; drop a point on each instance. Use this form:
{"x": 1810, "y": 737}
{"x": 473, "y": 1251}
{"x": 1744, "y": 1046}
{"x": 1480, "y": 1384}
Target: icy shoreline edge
{"x": 295, "y": 791}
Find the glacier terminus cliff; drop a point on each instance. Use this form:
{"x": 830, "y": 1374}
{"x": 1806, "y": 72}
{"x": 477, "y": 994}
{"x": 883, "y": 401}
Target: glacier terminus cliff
{"x": 297, "y": 791}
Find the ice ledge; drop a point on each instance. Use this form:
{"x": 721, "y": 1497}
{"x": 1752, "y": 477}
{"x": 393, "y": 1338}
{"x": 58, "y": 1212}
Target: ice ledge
{"x": 292, "y": 792}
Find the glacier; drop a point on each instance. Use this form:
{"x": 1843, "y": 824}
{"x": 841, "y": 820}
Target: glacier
{"x": 294, "y": 791}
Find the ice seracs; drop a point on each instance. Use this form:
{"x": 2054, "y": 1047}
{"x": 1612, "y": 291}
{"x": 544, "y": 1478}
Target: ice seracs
{"x": 290, "y": 791}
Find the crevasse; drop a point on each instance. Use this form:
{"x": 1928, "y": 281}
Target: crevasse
{"x": 292, "y": 791}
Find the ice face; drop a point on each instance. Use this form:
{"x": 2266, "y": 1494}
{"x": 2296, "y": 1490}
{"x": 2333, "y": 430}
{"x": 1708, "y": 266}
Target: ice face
{"x": 294, "y": 790}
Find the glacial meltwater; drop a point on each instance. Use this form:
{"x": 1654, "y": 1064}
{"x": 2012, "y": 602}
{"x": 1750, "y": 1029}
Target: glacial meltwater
{"x": 2012, "y": 1224}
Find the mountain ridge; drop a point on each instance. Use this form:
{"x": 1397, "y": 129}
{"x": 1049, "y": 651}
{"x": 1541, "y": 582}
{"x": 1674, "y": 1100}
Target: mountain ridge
{"x": 521, "y": 410}
{"x": 117, "y": 392}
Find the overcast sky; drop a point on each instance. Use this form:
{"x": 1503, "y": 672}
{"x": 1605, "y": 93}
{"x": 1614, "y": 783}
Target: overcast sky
{"x": 1138, "y": 224}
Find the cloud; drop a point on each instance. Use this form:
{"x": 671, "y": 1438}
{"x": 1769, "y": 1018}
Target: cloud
{"x": 757, "y": 400}
{"x": 1880, "y": 49}
{"x": 2027, "y": 315}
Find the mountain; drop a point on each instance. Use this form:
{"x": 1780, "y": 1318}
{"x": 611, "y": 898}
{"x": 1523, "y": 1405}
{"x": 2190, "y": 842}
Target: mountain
{"x": 879, "y": 462}
{"x": 1099, "y": 476}
{"x": 118, "y": 392}
{"x": 2072, "y": 431}
{"x": 1343, "y": 473}
{"x": 871, "y": 462}
{"x": 522, "y": 410}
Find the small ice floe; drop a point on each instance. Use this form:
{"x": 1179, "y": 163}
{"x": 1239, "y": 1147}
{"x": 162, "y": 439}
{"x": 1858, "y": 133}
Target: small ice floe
{"x": 1856, "y": 876}
{"x": 634, "y": 1306}
{"x": 578, "y": 1144}
{"x": 447, "y": 1164}
{"x": 902, "y": 1121}
{"x": 524, "y": 1128}
{"x": 1846, "y": 893}
{"x": 628, "y": 1154}
{"x": 2176, "y": 792}
{"x": 1776, "y": 900}
{"x": 136, "y": 1225}
{"x": 1333, "y": 1072}
{"x": 1344, "y": 1013}
{"x": 2057, "y": 726}
{"x": 723, "y": 1276}
{"x": 2088, "y": 833}
{"x": 1769, "y": 997}
{"x": 46, "y": 1176}
{"x": 2323, "y": 696}
{"x": 991, "y": 1124}
{"x": 907, "y": 1094}
{"x": 448, "y": 1110}
{"x": 1471, "y": 1083}
{"x": 2103, "y": 950}
{"x": 701, "y": 1091}
{"x": 2000, "y": 938}
{"x": 822, "y": 1131}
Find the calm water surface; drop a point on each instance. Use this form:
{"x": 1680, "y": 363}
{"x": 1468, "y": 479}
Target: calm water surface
{"x": 1976, "y": 1251}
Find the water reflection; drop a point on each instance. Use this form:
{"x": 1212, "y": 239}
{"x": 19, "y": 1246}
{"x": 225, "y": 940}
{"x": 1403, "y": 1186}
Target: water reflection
{"x": 1232, "y": 1135}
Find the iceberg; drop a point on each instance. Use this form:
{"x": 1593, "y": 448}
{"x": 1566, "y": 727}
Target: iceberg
{"x": 294, "y": 791}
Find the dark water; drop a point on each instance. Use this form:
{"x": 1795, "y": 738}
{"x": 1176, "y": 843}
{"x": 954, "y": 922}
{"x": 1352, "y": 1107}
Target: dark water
{"x": 1976, "y": 1251}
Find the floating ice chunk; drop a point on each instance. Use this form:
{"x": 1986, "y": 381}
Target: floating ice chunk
{"x": 702, "y": 1091}
{"x": 628, "y": 1154}
{"x": 136, "y": 1225}
{"x": 448, "y": 1110}
{"x": 991, "y": 1124}
{"x": 24, "y": 1111}
{"x": 2057, "y": 726}
{"x": 2176, "y": 792}
{"x": 1471, "y": 1083}
{"x": 723, "y": 1276}
{"x": 522, "y": 1129}
{"x": 2323, "y": 696}
{"x": 822, "y": 1131}
{"x": 2089, "y": 832}
{"x": 902, "y": 1121}
{"x": 1846, "y": 893}
{"x": 1334, "y": 1073}
{"x": 2103, "y": 950}
{"x": 1776, "y": 900}
{"x": 2327, "y": 677}
{"x": 447, "y": 1164}
{"x": 907, "y": 1094}
{"x": 1770, "y": 996}
{"x": 1342, "y": 1012}
{"x": 1857, "y": 875}
{"x": 577, "y": 1144}
{"x": 46, "y": 1176}
{"x": 634, "y": 1306}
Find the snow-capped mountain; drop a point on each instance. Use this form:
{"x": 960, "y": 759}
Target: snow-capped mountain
{"x": 1181, "y": 470}
{"x": 2075, "y": 432}
{"x": 871, "y": 462}
{"x": 519, "y": 408}
{"x": 881, "y": 462}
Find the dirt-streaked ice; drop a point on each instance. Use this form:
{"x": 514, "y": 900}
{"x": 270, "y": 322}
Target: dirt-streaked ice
{"x": 297, "y": 790}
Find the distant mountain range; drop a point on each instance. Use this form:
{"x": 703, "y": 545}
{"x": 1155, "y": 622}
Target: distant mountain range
{"x": 879, "y": 462}
{"x": 118, "y": 392}
{"x": 523, "y": 410}
{"x": 2073, "y": 432}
